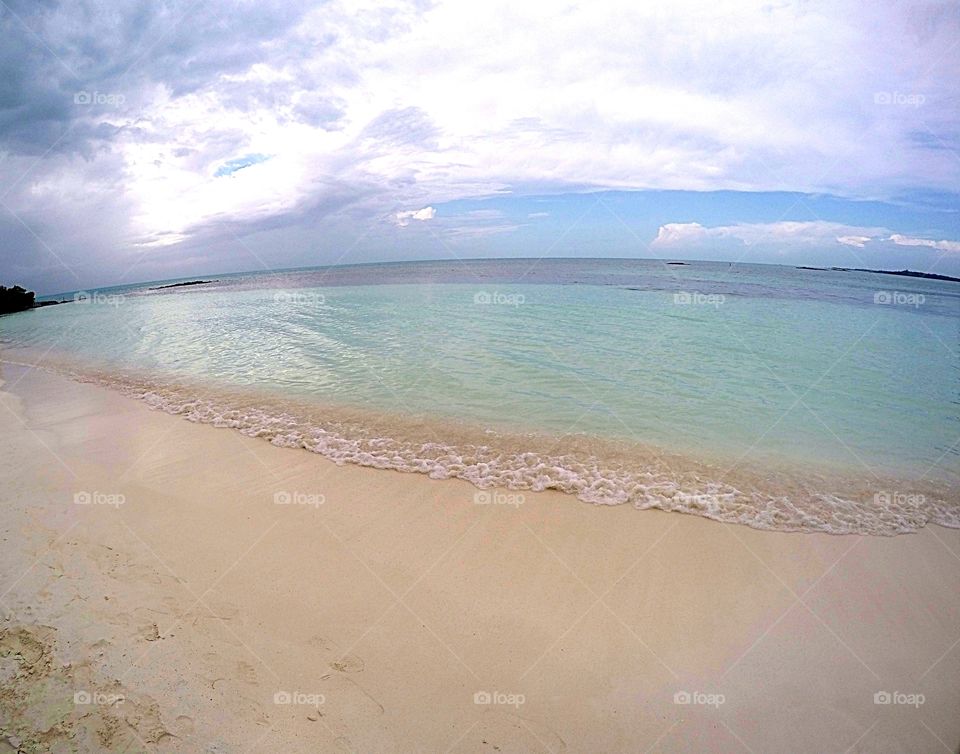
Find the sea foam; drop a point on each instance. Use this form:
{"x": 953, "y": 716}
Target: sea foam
{"x": 596, "y": 471}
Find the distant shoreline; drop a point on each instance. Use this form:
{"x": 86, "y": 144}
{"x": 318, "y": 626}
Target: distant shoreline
{"x": 900, "y": 273}
{"x": 692, "y": 263}
{"x": 181, "y": 285}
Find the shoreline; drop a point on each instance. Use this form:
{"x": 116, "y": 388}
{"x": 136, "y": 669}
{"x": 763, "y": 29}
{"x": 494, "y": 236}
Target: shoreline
{"x": 382, "y": 603}
{"x": 803, "y": 497}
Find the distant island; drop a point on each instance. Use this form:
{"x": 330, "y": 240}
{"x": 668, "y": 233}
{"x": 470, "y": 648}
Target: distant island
{"x": 901, "y": 273}
{"x": 18, "y": 299}
{"x": 180, "y": 285}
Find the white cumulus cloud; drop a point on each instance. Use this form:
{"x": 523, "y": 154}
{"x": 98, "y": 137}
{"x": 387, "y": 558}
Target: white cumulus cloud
{"x": 403, "y": 218}
{"x": 900, "y": 240}
{"x": 813, "y": 233}
{"x": 858, "y": 241}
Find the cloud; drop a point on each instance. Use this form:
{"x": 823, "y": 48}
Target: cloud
{"x": 365, "y": 106}
{"x": 403, "y": 218}
{"x": 476, "y": 224}
{"x": 409, "y": 126}
{"x": 675, "y": 234}
{"x": 857, "y": 241}
{"x": 900, "y": 240}
{"x": 784, "y": 233}
{"x": 534, "y": 215}
{"x": 468, "y": 231}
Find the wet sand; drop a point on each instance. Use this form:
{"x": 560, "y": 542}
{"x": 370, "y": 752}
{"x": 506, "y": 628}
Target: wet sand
{"x": 170, "y": 586}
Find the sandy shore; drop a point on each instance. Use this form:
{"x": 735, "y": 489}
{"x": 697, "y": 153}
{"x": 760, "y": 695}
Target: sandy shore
{"x": 174, "y": 587}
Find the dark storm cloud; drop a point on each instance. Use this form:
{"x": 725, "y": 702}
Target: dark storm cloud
{"x": 55, "y": 55}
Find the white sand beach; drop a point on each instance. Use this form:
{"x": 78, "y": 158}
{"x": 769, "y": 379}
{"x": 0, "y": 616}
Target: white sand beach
{"x": 173, "y": 587}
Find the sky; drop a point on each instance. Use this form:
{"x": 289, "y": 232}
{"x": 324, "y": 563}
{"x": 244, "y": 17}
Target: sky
{"x": 159, "y": 139}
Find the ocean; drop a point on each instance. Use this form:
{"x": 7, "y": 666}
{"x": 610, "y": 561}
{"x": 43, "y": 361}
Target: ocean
{"x": 771, "y": 396}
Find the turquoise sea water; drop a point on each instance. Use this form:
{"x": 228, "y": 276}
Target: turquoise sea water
{"x": 777, "y": 397}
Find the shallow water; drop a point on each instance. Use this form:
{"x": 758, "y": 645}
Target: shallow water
{"x": 781, "y": 398}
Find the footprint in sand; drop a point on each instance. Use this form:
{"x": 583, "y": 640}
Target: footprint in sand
{"x": 183, "y": 726}
{"x": 246, "y": 673}
{"x": 249, "y": 709}
{"x": 149, "y": 632}
{"x": 348, "y": 664}
{"x": 22, "y": 645}
{"x": 98, "y": 647}
{"x": 322, "y": 643}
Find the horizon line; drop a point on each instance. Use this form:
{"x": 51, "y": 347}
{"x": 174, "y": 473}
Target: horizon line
{"x": 282, "y": 270}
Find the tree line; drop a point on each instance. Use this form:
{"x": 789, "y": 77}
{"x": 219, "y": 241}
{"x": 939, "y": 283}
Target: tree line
{"x": 15, "y": 299}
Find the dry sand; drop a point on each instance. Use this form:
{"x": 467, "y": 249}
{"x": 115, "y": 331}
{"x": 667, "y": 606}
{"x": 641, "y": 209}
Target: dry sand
{"x": 185, "y": 617}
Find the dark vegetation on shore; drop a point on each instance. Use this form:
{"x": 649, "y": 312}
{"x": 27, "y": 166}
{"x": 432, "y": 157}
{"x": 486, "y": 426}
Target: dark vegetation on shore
{"x": 180, "y": 285}
{"x": 901, "y": 273}
{"x": 15, "y": 299}
{"x": 18, "y": 299}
